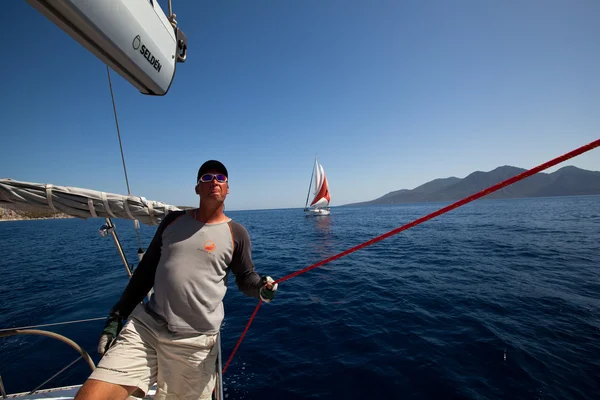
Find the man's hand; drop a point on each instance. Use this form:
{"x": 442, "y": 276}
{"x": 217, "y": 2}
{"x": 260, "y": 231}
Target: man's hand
{"x": 109, "y": 334}
{"x": 268, "y": 289}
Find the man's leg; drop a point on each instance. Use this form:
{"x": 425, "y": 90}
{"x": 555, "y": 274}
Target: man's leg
{"x": 186, "y": 366}
{"x": 99, "y": 390}
{"x": 129, "y": 366}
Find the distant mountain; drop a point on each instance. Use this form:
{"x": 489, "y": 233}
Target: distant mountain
{"x": 567, "y": 181}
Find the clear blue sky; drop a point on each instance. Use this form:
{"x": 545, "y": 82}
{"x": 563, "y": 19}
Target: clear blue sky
{"x": 389, "y": 94}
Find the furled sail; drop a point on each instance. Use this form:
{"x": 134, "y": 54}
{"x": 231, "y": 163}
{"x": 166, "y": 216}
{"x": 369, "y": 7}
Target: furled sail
{"x": 80, "y": 203}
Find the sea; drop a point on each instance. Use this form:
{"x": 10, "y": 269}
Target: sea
{"x": 498, "y": 299}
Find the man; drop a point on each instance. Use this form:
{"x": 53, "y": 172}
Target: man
{"x": 171, "y": 339}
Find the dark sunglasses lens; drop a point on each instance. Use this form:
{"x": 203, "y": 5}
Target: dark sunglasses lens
{"x": 206, "y": 178}
{"x": 209, "y": 177}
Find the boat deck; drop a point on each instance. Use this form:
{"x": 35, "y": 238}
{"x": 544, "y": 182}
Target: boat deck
{"x": 64, "y": 393}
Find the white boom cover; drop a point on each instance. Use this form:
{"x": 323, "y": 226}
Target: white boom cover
{"x": 80, "y": 203}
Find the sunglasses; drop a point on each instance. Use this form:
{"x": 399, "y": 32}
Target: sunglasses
{"x": 209, "y": 177}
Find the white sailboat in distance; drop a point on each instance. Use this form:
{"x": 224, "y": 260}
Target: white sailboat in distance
{"x": 321, "y": 199}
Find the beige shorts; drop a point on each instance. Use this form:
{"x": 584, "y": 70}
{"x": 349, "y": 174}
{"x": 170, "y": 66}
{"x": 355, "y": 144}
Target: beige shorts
{"x": 146, "y": 352}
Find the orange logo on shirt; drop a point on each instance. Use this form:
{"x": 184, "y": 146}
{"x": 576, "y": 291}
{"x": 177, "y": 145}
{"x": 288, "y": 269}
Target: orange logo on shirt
{"x": 209, "y": 245}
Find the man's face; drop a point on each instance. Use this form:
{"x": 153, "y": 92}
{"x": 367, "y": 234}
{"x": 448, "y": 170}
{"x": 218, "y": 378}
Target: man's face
{"x": 212, "y": 190}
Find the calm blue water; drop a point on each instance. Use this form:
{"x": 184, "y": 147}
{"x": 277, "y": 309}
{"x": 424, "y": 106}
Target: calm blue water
{"x": 429, "y": 313}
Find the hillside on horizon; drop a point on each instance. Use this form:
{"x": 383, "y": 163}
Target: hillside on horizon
{"x": 567, "y": 181}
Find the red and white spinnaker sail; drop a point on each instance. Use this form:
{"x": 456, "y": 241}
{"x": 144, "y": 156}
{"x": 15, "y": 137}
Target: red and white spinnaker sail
{"x": 321, "y": 191}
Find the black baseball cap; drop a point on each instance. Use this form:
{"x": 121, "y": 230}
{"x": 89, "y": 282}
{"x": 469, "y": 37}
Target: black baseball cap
{"x": 212, "y": 165}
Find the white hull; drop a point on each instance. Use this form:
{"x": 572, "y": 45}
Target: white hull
{"x": 315, "y": 212}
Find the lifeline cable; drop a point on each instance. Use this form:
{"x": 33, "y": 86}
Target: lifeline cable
{"x": 54, "y": 324}
{"x": 427, "y": 217}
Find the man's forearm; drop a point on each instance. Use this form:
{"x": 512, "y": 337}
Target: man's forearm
{"x": 249, "y": 284}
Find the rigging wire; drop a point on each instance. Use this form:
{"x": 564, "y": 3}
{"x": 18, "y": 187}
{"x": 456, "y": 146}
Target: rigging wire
{"x": 112, "y": 96}
{"x": 54, "y": 324}
{"x": 484, "y": 192}
{"x": 63, "y": 369}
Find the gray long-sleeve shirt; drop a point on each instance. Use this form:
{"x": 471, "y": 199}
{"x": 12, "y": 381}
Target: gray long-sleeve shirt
{"x": 188, "y": 263}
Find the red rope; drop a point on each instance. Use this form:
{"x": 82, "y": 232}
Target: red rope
{"x": 459, "y": 203}
{"x": 434, "y": 214}
{"x": 243, "y": 334}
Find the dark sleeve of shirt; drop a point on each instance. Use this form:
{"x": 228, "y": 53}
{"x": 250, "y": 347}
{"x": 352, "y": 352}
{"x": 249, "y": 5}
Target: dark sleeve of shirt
{"x": 247, "y": 280}
{"x": 142, "y": 279}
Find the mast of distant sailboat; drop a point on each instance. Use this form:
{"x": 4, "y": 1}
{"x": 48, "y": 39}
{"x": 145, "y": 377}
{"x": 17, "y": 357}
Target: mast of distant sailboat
{"x": 309, "y": 185}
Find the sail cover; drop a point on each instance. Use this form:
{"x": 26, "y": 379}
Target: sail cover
{"x": 322, "y": 197}
{"x": 80, "y": 203}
